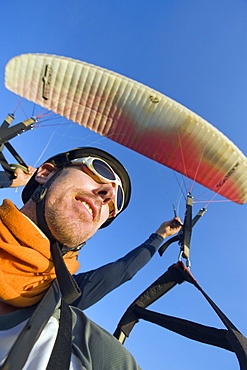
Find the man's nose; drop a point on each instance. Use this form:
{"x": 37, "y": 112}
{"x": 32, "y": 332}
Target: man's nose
{"x": 106, "y": 192}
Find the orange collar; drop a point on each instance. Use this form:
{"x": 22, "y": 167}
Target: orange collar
{"x": 26, "y": 266}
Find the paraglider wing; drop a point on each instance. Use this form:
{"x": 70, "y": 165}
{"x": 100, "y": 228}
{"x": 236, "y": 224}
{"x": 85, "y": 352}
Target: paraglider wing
{"x": 133, "y": 115}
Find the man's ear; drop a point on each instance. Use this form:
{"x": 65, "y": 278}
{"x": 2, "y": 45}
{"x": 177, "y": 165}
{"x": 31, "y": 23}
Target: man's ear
{"x": 44, "y": 172}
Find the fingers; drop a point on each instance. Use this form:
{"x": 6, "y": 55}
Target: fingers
{"x": 18, "y": 172}
{"x": 169, "y": 228}
{"x": 31, "y": 170}
{"x": 176, "y": 223}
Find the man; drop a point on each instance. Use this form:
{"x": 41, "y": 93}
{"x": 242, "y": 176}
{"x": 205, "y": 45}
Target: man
{"x": 97, "y": 283}
{"x": 69, "y": 198}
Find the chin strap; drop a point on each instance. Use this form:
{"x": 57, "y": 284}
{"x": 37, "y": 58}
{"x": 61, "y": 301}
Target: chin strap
{"x": 64, "y": 249}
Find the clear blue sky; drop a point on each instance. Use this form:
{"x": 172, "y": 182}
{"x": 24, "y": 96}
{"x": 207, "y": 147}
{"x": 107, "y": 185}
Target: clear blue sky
{"x": 196, "y": 53}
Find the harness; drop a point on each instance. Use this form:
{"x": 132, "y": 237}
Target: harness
{"x": 65, "y": 290}
{"x": 230, "y": 338}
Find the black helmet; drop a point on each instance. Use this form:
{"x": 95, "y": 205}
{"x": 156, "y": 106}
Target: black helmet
{"x": 33, "y": 190}
{"x": 64, "y": 159}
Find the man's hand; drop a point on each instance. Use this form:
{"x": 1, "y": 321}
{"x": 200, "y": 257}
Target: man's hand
{"x": 169, "y": 228}
{"x": 21, "y": 178}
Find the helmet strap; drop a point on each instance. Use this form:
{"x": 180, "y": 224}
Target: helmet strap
{"x": 67, "y": 284}
{"x": 39, "y": 198}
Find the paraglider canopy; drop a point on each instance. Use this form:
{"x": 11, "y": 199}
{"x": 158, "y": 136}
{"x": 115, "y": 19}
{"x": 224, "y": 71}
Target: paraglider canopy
{"x": 133, "y": 115}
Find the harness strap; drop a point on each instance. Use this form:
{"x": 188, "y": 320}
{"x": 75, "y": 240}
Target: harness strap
{"x": 235, "y": 337}
{"x": 164, "y": 246}
{"x": 230, "y": 339}
{"x": 186, "y": 230}
{"x": 179, "y": 236}
{"x": 15, "y": 154}
{"x": 67, "y": 284}
{"x": 189, "y": 329}
{"x": 61, "y": 353}
{"x": 23, "y": 345}
{"x": 6, "y": 166}
{"x": 161, "y": 286}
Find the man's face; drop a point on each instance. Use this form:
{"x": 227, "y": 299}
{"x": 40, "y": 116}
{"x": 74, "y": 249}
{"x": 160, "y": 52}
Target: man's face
{"x": 76, "y": 206}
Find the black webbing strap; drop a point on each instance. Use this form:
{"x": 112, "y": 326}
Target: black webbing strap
{"x": 6, "y": 166}
{"x": 186, "y": 230}
{"x": 161, "y": 286}
{"x": 230, "y": 339}
{"x": 30, "y": 333}
{"x": 179, "y": 236}
{"x": 61, "y": 353}
{"x": 164, "y": 246}
{"x": 189, "y": 329}
{"x": 67, "y": 284}
{"x": 235, "y": 337}
{"x": 15, "y": 154}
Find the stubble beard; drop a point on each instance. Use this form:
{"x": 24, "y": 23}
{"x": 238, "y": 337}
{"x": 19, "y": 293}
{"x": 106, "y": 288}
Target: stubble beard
{"x": 67, "y": 231}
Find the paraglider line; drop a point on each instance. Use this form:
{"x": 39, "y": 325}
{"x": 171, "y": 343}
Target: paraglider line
{"x": 44, "y": 150}
{"x": 198, "y": 167}
{"x": 211, "y": 201}
{"x": 19, "y": 105}
{"x": 183, "y": 159}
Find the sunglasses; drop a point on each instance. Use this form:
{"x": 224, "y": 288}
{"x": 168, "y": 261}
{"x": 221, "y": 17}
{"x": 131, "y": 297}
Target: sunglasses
{"x": 101, "y": 171}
